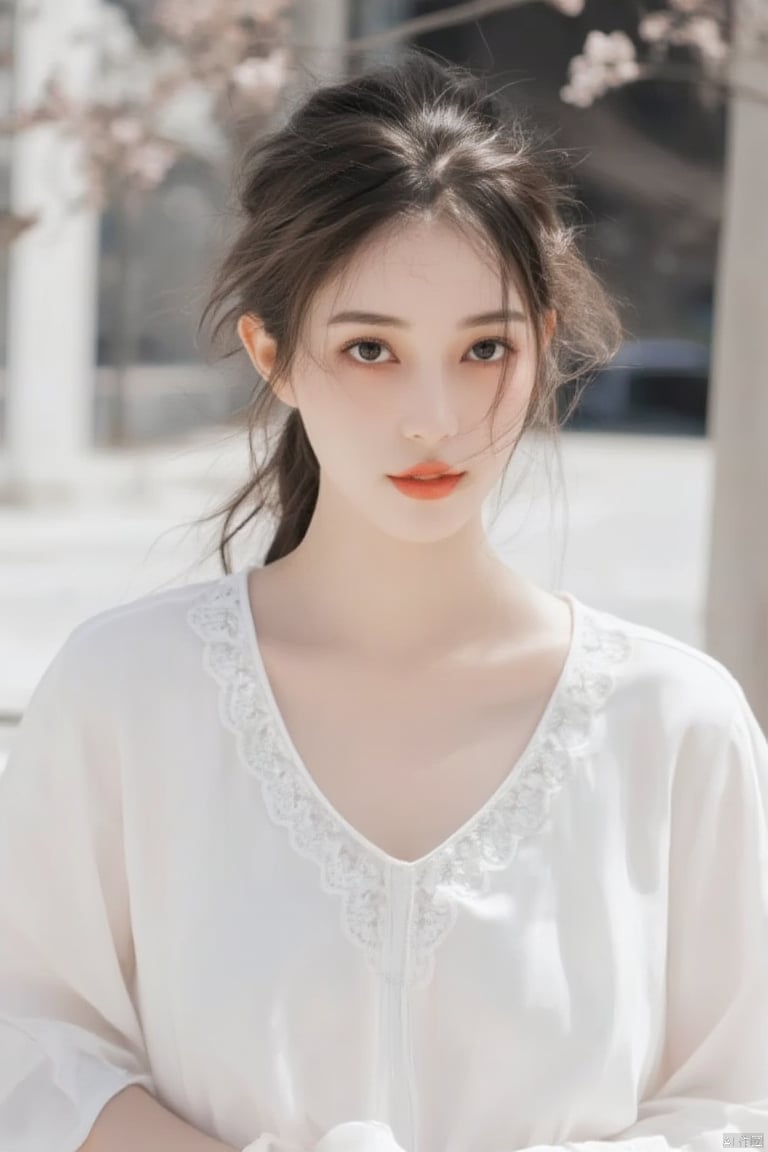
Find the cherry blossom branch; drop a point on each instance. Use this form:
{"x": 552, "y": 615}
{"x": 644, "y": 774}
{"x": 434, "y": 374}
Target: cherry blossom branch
{"x": 448, "y": 17}
{"x": 610, "y": 60}
{"x": 211, "y": 66}
{"x": 134, "y": 128}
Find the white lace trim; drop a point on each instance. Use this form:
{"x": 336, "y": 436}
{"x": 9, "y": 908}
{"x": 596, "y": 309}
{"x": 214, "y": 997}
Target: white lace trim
{"x": 354, "y": 870}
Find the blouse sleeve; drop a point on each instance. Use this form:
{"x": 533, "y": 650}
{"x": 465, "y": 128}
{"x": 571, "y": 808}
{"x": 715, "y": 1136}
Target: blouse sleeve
{"x": 713, "y": 1093}
{"x": 70, "y": 1038}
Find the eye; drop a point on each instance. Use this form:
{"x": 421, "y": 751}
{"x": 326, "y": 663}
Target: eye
{"x": 366, "y": 346}
{"x": 487, "y": 345}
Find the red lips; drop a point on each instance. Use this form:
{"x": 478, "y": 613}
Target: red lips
{"x": 429, "y": 468}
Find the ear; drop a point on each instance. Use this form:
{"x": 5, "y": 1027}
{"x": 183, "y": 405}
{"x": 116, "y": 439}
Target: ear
{"x": 262, "y": 349}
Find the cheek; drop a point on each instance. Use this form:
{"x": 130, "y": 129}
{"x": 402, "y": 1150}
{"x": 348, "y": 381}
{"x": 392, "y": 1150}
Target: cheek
{"x": 501, "y": 417}
{"x": 342, "y": 432}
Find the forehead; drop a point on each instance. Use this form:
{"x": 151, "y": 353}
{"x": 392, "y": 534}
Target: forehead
{"x": 419, "y": 267}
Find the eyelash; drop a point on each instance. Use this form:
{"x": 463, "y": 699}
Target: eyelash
{"x": 373, "y": 363}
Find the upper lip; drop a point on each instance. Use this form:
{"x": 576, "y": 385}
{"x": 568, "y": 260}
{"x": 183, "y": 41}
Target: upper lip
{"x": 429, "y": 468}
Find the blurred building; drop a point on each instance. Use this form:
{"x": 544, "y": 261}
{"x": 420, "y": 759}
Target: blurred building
{"x": 648, "y": 164}
{"x": 648, "y": 167}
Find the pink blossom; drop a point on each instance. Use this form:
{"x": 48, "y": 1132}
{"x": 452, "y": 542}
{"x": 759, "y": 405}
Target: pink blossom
{"x": 127, "y": 130}
{"x": 608, "y": 48}
{"x": 258, "y": 72}
{"x": 607, "y": 61}
{"x": 706, "y": 36}
{"x": 569, "y": 7}
{"x": 655, "y": 26}
{"x": 152, "y": 162}
{"x": 687, "y": 6}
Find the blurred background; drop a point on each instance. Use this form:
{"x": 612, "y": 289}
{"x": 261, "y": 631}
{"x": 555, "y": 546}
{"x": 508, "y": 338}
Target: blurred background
{"x": 121, "y": 122}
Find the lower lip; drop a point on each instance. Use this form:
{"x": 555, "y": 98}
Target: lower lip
{"x": 426, "y": 489}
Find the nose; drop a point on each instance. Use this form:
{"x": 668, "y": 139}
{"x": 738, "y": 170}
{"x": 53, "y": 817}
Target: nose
{"x": 430, "y": 412}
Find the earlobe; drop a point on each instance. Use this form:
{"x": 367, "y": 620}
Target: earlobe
{"x": 262, "y": 349}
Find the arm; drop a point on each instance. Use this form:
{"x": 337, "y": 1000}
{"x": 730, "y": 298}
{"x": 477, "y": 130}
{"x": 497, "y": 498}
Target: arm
{"x": 712, "y": 1089}
{"x": 73, "y": 1062}
{"x": 134, "y": 1119}
{"x": 70, "y": 1037}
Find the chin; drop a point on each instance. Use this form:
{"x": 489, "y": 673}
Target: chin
{"x": 432, "y": 530}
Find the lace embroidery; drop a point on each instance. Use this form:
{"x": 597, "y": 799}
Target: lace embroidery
{"x": 349, "y": 868}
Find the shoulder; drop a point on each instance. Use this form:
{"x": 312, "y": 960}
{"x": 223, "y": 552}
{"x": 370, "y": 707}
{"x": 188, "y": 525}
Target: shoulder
{"x": 677, "y": 714}
{"x": 661, "y": 679}
{"x": 145, "y": 640}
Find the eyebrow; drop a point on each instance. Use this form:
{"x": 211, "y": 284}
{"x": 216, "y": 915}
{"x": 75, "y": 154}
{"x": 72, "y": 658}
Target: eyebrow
{"x": 396, "y": 322}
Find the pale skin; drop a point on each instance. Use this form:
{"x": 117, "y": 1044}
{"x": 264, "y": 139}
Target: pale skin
{"x": 383, "y": 589}
{"x": 378, "y": 575}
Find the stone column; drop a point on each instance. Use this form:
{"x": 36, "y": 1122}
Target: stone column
{"x": 737, "y": 599}
{"x": 53, "y": 266}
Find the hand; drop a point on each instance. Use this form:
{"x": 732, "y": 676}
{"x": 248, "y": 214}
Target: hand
{"x": 359, "y": 1136}
{"x": 351, "y": 1136}
{"x": 267, "y": 1142}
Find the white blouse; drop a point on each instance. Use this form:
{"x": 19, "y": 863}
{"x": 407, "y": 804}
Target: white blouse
{"x": 582, "y": 965}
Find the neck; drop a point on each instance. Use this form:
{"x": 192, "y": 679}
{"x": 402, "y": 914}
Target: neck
{"x": 366, "y": 594}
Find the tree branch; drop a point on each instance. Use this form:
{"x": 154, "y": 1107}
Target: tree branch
{"x": 430, "y": 22}
{"x": 680, "y": 74}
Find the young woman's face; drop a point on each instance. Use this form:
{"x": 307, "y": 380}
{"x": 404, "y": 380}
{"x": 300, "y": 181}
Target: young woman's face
{"x": 381, "y": 393}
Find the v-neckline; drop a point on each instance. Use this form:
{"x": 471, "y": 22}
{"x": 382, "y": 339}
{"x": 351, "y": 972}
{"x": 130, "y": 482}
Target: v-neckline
{"x": 548, "y": 720}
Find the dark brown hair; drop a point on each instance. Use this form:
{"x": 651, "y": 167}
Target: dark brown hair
{"x": 400, "y": 142}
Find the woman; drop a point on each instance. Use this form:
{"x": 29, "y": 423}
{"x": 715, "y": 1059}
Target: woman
{"x": 378, "y": 843}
